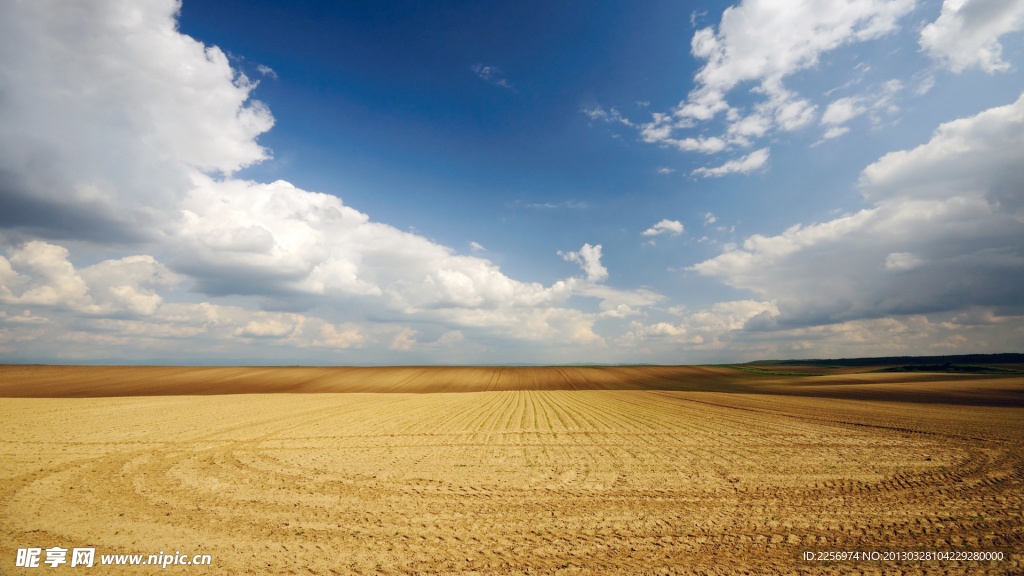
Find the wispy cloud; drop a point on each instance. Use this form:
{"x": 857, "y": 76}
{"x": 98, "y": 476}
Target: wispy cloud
{"x": 568, "y": 204}
{"x": 874, "y": 104}
{"x": 610, "y": 115}
{"x": 493, "y": 75}
{"x": 744, "y": 165}
{"x": 266, "y": 71}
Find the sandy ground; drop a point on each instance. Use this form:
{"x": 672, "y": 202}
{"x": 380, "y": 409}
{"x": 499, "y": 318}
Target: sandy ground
{"x": 616, "y": 479}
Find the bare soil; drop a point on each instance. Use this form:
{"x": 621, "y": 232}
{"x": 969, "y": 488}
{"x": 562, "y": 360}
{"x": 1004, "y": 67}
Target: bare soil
{"x": 578, "y": 470}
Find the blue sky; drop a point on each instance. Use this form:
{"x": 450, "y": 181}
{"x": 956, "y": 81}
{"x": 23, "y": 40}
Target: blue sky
{"x": 263, "y": 182}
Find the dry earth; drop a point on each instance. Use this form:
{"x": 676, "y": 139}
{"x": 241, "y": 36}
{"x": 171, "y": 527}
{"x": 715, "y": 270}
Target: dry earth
{"x": 632, "y": 470}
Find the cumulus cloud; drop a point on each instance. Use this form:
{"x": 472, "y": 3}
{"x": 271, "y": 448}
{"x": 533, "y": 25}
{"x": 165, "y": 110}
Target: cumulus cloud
{"x": 100, "y": 123}
{"x": 123, "y": 298}
{"x": 944, "y": 234}
{"x": 116, "y": 130}
{"x": 743, "y": 165}
{"x": 751, "y": 329}
{"x": 589, "y": 258}
{"x": 83, "y": 310}
{"x": 673, "y": 227}
{"x": 39, "y": 273}
{"x": 238, "y": 237}
{"x": 967, "y": 33}
{"x": 764, "y": 42}
{"x": 339, "y": 337}
{"x": 266, "y": 329}
{"x": 404, "y": 340}
{"x": 706, "y": 329}
{"x": 748, "y": 46}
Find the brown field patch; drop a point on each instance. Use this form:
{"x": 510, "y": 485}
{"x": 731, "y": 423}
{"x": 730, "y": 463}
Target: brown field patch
{"x": 632, "y": 470}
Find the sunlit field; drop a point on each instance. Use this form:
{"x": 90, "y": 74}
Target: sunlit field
{"x": 634, "y": 470}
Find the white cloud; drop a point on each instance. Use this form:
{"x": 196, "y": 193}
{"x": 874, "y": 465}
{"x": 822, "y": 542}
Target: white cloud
{"x": 902, "y": 261}
{"x": 493, "y": 75}
{"x": 449, "y": 338}
{"x": 665, "y": 226}
{"x": 707, "y": 329}
{"x": 980, "y": 156}
{"x": 568, "y": 204}
{"x": 611, "y": 115}
{"x": 744, "y": 165}
{"x": 43, "y": 270}
{"x": 843, "y": 110}
{"x": 710, "y": 218}
{"x": 266, "y": 329}
{"x": 665, "y": 170}
{"x": 612, "y": 298}
{"x": 764, "y": 42}
{"x": 944, "y": 234}
{"x": 100, "y": 120}
{"x": 475, "y": 246}
{"x": 967, "y": 33}
{"x": 122, "y": 298}
{"x": 26, "y": 317}
{"x": 116, "y": 130}
{"x": 926, "y": 84}
{"x": 659, "y": 130}
{"x": 40, "y": 274}
{"x": 874, "y": 104}
{"x": 620, "y": 311}
{"x": 243, "y": 237}
{"x": 699, "y": 144}
{"x": 404, "y": 340}
{"x": 835, "y": 132}
{"x": 589, "y": 258}
{"x": 266, "y": 71}
{"x": 750, "y": 330}
{"x": 339, "y": 337}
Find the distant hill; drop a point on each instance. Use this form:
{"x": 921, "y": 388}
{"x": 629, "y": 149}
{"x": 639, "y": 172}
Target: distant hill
{"x": 1009, "y": 358}
{"x": 950, "y": 369}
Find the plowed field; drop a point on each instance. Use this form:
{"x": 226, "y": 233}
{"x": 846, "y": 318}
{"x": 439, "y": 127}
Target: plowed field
{"x": 641, "y": 470}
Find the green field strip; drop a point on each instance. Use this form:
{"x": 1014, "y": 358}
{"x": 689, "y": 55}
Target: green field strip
{"x": 768, "y": 372}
